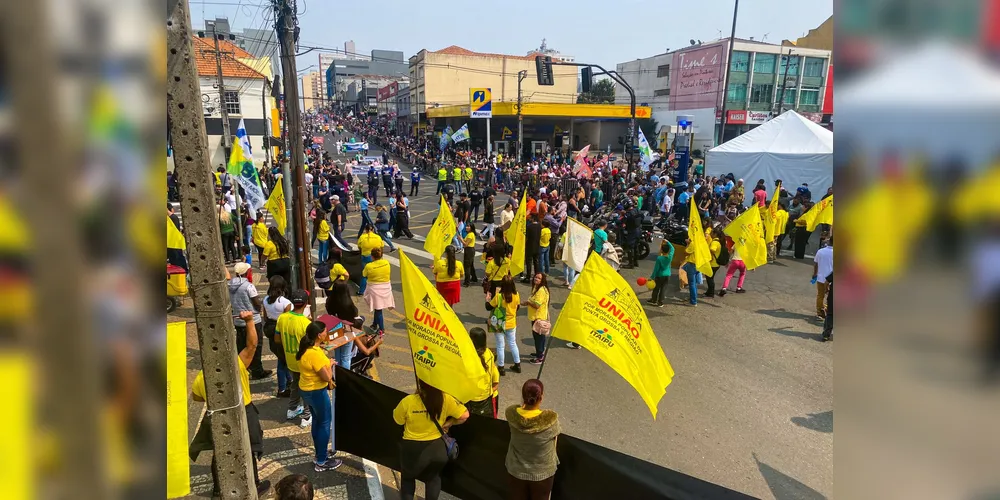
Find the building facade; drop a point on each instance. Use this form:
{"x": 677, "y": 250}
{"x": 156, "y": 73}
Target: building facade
{"x": 312, "y": 95}
{"x": 383, "y": 63}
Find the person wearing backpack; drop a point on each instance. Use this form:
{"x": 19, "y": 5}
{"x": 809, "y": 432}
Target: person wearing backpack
{"x": 503, "y": 321}
{"x": 720, "y": 257}
{"x": 425, "y": 417}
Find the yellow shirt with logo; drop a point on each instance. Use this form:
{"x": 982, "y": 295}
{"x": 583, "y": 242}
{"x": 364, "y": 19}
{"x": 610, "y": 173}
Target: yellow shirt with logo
{"x": 324, "y": 231}
{"x": 417, "y": 425}
{"x": 509, "y": 307}
{"x": 541, "y": 297}
{"x": 546, "y": 237}
{"x": 441, "y": 271}
{"x": 369, "y": 241}
{"x": 291, "y": 327}
{"x": 313, "y": 360}
{"x": 260, "y": 234}
{"x": 377, "y": 271}
{"x": 442, "y": 174}
{"x": 198, "y": 387}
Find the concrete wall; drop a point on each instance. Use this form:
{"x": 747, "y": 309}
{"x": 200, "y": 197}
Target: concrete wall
{"x": 641, "y": 74}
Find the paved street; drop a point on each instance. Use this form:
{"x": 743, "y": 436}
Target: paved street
{"x": 750, "y": 407}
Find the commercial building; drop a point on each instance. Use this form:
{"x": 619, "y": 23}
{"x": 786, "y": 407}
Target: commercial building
{"x": 444, "y": 77}
{"x": 387, "y": 101}
{"x": 312, "y": 95}
{"x": 260, "y": 44}
{"x": 382, "y": 64}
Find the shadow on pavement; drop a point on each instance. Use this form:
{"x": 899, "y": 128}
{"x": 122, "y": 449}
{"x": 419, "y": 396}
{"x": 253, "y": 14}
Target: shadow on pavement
{"x": 783, "y": 486}
{"x": 822, "y": 422}
{"x": 785, "y": 314}
{"x": 792, "y": 333}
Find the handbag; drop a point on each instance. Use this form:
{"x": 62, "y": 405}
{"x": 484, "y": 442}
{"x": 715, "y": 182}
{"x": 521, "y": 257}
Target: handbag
{"x": 541, "y": 327}
{"x": 450, "y": 444}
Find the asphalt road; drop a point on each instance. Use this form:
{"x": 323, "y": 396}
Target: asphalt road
{"x": 750, "y": 406}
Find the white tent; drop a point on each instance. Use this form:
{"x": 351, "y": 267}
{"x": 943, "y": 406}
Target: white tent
{"x": 789, "y": 147}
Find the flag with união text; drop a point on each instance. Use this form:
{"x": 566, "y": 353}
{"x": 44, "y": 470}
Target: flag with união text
{"x": 699, "y": 243}
{"x": 442, "y": 232}
{"x": 820, "y": 213}
{"x": 747, "y": 232}
{"x": 771, "y": 217}
{"x": 604, "y": 315}
{"x": 516, "y": 235}
{"x": 276, "y": 206}
{"x": 442, "y": 352}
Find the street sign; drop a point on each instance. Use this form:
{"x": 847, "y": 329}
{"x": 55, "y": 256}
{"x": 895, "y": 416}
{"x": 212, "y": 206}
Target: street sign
{"x": 543, "y": 70}
{"x": 480, "y": 103}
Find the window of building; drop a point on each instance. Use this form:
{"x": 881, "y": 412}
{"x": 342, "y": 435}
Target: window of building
{"x": 814, "y": 67}
{"x": 764, "y": 64}
{"x": 232, "y": 102}
{"x": 663, "y": 71}
{"x": 737, "y": 92}
{"x": 661, "y": 92}
{"x": 809, "y": 96}
{"x": 789, "y": 64}
{"x": 789, "y": 95}
{"x": 761, "y": 92}
{"x": 741, "y": 61}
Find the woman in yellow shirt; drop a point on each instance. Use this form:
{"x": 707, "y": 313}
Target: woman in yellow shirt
{"x": 506, "y": 303}
{"x": 497, "y": 264}
{"x": 315, "y": 377}
{"x": 423, "y": 453}
{"x": 337, "y": 270}
{"x": 469, "y": 255}
{"x": 538, "y": 314}
{"x": 260, "y": 238}
{"x": 276, "y": 255}
{"x": 367, "y": 242}
{"x": 323, "y": 235}
{"x": 378, "y": 293}
{"x": 448, "y": 273}
{"x": 715, "y": 239}
{"x": 486, "y": 407}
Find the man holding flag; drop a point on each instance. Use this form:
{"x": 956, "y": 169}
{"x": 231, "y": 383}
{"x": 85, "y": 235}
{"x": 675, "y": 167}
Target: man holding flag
{"x": 699, "y": 256}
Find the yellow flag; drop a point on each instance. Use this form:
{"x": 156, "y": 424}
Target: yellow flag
{"x": 978, "y": 197}
{"x": 443, "y": 354}
{"x": 771, "y": 217}
{"x": 747, "y": 232}
{"x": 174, "y": 237}
{"x": 18, "y": 476}
{"x": 276, "y": 205}
{"x": 820, "y": 213}
{"x": 516, "y": 236}
{"x": 699, "y": 244}
{"x": 603, "y": 314}
{"x": 178, "y": 463}
{"x": 442, "y": 232}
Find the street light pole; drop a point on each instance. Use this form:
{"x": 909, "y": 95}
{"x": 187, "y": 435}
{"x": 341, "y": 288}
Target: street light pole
{"x": 521, "y": 75}
{"x": 725, "y": 78}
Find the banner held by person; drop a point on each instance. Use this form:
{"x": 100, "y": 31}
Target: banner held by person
{"x": 577, "y": 247}
{"x": 516, "y": 236}
{"x": 820, "y": 213}
{"x": 178, "y": 462}
{"x": 442, "y": 232}
{"x": 699, "y": 244}
{"x": 241, "y": 167}
{"x": 276, "y": 205}
{"x": 442, "y": 352}
{"x": 747, "y": 232}
{"x": 603, "y": 314}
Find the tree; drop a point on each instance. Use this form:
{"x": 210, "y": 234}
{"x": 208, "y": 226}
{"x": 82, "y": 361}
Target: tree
{"x": 601, "y": 92}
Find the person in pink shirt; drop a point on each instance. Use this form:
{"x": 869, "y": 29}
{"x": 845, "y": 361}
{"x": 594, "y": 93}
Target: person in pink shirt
{"x": 760, "y": 193}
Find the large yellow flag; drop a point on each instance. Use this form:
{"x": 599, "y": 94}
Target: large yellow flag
{"x": 747, "y": 232}
{"x": 442, "y": 232}
{"x": 276, "y": 205}
{"x": 516, "y": 235}
{"x": 174, "y": 237}
{"x": 178, "y": 463}
{"x": 603, "y": 314}
{"x": 771, "y": 217}
{"x": 699, "y": 243}
{"x": 443, "y": 354}
{"x": 820, "y": 213}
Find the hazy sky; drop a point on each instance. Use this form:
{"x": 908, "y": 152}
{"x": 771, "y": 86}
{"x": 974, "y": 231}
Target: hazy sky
{"x": 600, "y": 32}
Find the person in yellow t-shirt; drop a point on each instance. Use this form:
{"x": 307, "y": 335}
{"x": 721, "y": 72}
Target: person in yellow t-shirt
{"x": 543, "y": 253}
{"x": 469, "y": 255}
{"x": 715, "y": 242}
{"x": 203, "y": 438}
{"x": 497, "y": 264}
{"x": 691, "y": 271}
{"x": 288, "y": 332}
{"x": 337, "y": 270}
{"x": 509, "y": 300}
{"x": 779, "y": 229}
{"x": 260, "y": 238}
{"x": 448, "y": 273}
{"x": 423, "y": 453}
{"x": 378, "y": 294}
{"x": 323, "y": 236}
{"x": 316, "y": 376}
{"x": 538, "y": 314}
{"x": 486, "y": 406}
{"x": 368, "y": 241}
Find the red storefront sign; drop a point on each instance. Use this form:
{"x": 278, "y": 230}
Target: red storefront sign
{"x": 736, "y": 117}
{"x": 741, "y": 117}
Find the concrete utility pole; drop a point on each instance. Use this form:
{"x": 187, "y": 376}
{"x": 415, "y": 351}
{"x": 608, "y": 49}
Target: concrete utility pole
{"x": 521, "y": 75}
{"x": 213, "y": 312}
{"x": 287, "y": 34}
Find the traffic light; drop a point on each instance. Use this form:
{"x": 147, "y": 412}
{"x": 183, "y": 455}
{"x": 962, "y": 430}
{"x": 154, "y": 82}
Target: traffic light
{"x": 586, "y": 78}
{"x": 543, "y": 70}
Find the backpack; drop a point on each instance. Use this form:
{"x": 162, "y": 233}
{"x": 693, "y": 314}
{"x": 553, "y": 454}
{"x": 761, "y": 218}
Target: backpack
{"x": 497, "y": 320}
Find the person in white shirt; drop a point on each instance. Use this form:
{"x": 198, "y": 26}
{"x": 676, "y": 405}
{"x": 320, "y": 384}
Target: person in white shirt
{"x": 822, "y": 267}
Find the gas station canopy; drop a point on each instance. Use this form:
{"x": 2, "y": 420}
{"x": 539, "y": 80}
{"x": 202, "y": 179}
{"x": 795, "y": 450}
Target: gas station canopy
{"x": 549, "y": 110}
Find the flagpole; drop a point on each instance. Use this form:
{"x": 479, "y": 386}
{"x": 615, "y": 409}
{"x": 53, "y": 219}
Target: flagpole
{"x": 545, "y": 354}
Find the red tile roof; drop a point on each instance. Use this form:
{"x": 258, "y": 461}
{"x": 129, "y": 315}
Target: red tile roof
{"x": 204, "y": 56}
{"x": 455, "y": 50}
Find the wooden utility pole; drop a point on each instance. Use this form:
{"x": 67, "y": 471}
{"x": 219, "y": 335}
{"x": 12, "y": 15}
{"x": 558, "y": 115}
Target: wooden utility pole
{"x": 212, "y": 309}
{"x": 287, "y": 34}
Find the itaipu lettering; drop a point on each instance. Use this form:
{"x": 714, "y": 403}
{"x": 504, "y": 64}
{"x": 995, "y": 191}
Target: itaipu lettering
{"x": 613, "y": 309}
{"x": 430, "y": 321}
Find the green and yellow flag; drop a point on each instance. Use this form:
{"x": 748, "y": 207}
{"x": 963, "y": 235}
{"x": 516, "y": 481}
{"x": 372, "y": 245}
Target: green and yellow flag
{"x": 747, "y": 232}
{"x": 441, "y": 233}
{"x": 603, "y": 314}
{"x": 699, "y": 243}
{"x": 174, "y": 237}
{"x": 771, "y": 217}
{"x": 178, "y": 463}
{"x": 820, "y": 213}
{"x": 516, "y": 235}
{"x": 443, "y": 354}
{"x": 276, "y": 205}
